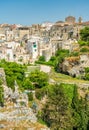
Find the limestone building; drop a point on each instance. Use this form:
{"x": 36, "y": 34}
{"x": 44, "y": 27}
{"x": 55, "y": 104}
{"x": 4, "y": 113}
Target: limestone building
{"x": 70, "y": 19}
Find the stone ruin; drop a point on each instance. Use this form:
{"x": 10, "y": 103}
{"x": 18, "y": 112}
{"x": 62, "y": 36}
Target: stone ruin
{"x": 2, "y": 75}
{"x": 18, "y": 98}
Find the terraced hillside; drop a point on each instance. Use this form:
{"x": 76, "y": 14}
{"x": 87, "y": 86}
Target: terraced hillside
{"x": 62, "y": 78}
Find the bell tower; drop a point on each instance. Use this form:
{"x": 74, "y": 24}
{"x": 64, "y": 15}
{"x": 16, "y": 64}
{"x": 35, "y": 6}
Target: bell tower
{"x": 80, "y": 20}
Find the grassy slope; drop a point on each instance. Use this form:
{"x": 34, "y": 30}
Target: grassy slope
{"x": 58, "y": 77}
{"x": 68, "y": 83}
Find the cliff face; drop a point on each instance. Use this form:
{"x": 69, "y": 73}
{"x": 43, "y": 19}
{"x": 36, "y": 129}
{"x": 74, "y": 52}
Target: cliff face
{"x": 16, "y": 112}
{"x": 2, "y": 76}
{"x": 74, "y": 66}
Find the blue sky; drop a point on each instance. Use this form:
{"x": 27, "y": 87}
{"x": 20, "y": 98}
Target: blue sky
{"x": 27, "y": 12}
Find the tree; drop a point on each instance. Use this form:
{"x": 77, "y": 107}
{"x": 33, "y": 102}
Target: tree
{"x": 79, "y": 110}
{"x": 27, "y": 84}
{"x": 86, "y": 76}
{"x": 1, "y": 94}
{"x": 30, "y": 96}
{"x": 60, "y": 55}
{"x": 10, "y": 82}
{"x": 56, "y": 111}
{"x": 84, "y": 34}
{"x": 13, "y": 72}
{"x": 61, "y": 113}
{"x": 41, "y": 92}
{"x": 39, "y": 78}
{"x": 42, "y": 58}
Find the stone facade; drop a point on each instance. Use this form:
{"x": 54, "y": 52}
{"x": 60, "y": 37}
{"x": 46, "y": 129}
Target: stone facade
{"x": 51, "y": 37}
{"x": 70, "y": 19}
{"x": 23, "y": 31}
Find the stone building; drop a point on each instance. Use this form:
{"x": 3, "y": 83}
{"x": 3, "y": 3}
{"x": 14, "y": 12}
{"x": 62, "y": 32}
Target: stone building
{"x": 38, "y": 46}
{"x": 70, "y": 19}
{"x": 2, "y": 37}
{"x": 35, "y": 29}
{"x": 33, "y": 47}
{"x": 22, "y": 31}
{"x": 56, "y": 43}
{"x": 63, "y": 31}
{"x": 9, "y": 35}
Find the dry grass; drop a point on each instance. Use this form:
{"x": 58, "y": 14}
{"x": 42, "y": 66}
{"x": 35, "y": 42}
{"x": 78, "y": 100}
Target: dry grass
{"x": 23, "y": 125}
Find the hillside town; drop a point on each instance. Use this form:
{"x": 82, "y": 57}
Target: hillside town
{"x": 25, "y": 44}
{"x": 26, "y": 84}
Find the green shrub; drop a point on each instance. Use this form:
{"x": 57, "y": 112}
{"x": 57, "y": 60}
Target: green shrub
{"x": 30, "y": 96}
{"x": 39, "y": 94}
{"x": 42, "y": 58}
{"x": 39, "y": 78}
{"x": 27, "y": 84}
{"x": 84, "y": 49}
{"x": 74, "y": 54}
{"x": 84, "y": 34}
{"x": 1, "y": 96}
{"x": 82, "y": 43}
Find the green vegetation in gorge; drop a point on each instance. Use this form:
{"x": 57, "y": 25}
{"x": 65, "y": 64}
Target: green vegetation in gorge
{"x": 84, "y": 47}
{"x": 86, "y": 76}
{"x": 55, "y": 112}
{"x": 64, "y": 109}
{"x": 1, "y": 94}
{"x": 16, "y": 72}
{"x": 84, "y": 34}
{"x": 84, "y": 37}
{"x": 38, "y": 78}
{"x": 27, "y": 84}
{"x": 13, "y": 72}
